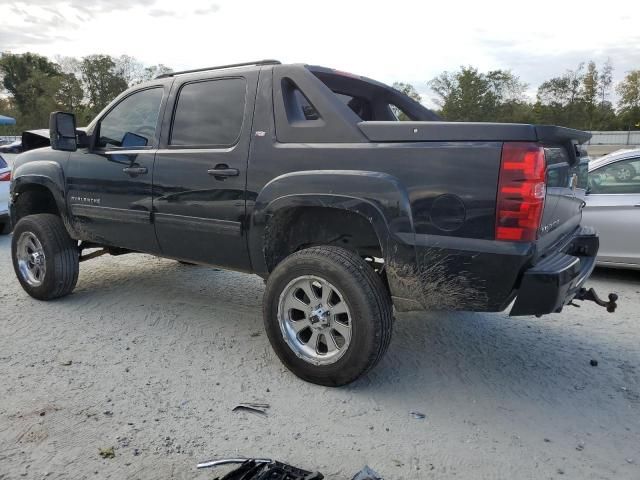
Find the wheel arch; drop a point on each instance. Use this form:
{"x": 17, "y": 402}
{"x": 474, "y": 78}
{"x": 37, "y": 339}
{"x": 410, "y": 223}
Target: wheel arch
{"x": 42, "y": 181}
{"x": 373, "y": 197}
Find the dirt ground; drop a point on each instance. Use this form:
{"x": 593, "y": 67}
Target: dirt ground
{"x": 149, "y": 357}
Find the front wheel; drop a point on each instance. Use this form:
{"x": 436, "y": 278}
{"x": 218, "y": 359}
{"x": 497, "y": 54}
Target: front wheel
{"x": 45, "y": 258}
{"x": 328, "y": 315}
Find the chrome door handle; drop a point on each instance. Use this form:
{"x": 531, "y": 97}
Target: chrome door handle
{"x": 135, "y": 170}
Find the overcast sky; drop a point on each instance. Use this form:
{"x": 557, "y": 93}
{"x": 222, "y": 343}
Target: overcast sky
{"x": 387, "y": 40}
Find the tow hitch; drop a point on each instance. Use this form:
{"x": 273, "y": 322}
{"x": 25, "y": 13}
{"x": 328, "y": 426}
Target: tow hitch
{"x": 591, "y": 296}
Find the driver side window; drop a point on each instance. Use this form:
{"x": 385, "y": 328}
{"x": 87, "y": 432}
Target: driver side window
{"x": 132, "y": 122}
{"x": 616, "y": 178}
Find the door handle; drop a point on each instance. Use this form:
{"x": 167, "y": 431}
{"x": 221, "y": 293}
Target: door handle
{"x": 637, "y": 205}
{"x": 135, "y": 170}
{"x": 223, "y": 171}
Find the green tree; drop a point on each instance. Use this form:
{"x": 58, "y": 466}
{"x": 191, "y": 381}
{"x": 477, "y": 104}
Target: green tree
{"x": 410, "y": 91}
{"x": 154, "y": 70}
{"x": 32, "y": 81}
{"x": 590, "y": 94}
{"x": 134, "y": 72}
{"x": 70, "y": 94}
{"x": 629, "y": 103}
{"x": 559, "y": 100}
{"x": 102, "y": 81}
{"x": 469, "y": 95}
{"x": 606, "y": 80}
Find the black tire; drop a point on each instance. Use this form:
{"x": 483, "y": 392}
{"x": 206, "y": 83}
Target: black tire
{"x": 61, "y": 256}
{"x": 368, "y": 301}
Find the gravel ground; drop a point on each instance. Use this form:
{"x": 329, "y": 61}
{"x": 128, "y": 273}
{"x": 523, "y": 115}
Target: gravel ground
{"x": 149, "y": 357}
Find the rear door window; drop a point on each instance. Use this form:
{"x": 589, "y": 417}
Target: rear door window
{"x": 209, "y": 113}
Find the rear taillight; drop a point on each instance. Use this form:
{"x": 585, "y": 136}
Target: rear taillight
{"x": 521, "y": 192}
{"x": 5, "y": 177}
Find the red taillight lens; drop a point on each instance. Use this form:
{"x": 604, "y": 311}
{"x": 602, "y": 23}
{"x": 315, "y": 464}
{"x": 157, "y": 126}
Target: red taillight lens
{"x": 5, "y": 177}
{"x": 521, "y": 192}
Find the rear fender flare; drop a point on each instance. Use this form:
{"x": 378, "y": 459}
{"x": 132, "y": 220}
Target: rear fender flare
{"x": 378, "y": 197}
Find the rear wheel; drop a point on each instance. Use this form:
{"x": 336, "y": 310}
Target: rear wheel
{"x": 328, "y": 315}
{"x": 45, "y": 258}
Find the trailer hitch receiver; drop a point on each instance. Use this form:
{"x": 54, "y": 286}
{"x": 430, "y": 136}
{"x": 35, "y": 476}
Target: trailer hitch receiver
{"x": 591, "y": 296}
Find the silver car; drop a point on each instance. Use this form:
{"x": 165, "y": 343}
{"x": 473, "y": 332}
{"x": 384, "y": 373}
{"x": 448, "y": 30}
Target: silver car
{"x": 613, "y": 207}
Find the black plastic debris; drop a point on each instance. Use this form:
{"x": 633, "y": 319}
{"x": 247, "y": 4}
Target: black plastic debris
{"x": 418, "y": 415}
{"x": 255, "y": 408}
{"x": 262, "y": 469}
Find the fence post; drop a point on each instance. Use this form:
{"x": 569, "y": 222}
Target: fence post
{"x": 629, "y": 136}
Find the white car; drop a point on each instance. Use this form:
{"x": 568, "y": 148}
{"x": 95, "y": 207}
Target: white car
{"x": 5, "y": 180}
{"x": 613, "y": 207}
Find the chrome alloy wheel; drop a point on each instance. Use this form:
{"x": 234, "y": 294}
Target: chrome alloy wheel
{"x": 314, "y": 320}
{"x": 31, "y": 259}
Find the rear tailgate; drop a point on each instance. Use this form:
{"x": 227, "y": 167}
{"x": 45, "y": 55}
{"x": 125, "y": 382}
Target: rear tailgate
{"x": 567, "y": 169}
{"x": 566, "y": 163}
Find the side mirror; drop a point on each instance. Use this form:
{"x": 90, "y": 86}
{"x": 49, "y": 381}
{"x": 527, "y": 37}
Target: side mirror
{"x": 62, "y": 131}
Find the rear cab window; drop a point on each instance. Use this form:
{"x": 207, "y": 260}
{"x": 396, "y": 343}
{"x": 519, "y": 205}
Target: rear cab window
{"x": 209, "y": 113}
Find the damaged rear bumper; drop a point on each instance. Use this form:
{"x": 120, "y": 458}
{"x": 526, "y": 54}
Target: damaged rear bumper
{"x": 556, "y": 279}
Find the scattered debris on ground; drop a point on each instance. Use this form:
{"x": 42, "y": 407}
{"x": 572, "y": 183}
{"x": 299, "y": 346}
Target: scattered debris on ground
{"x": 265, "y": 468}
{"x": 107, "y": 452}
{"x": 367, "y": 474}
{"x": 255, "y": 408}
{"x": 262, "y": 468}
{"x": 418, "y": 415}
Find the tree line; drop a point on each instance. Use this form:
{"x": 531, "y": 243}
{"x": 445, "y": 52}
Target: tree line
{"x": 32, "y": 86}
{"x": 579, "y": 98}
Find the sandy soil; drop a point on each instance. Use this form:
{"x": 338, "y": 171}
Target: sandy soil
{"x": 149, "y": 357}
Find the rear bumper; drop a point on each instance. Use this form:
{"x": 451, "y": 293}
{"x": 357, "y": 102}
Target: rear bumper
{"x": 554, "y": 281}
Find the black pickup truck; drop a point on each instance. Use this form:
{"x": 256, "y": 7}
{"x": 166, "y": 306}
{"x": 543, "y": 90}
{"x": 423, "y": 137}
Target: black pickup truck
{"x": 305, "y": 176}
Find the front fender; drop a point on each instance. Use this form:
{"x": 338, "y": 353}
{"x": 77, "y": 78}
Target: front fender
{"x": 378, "y": 197}
{"x": 44, "y": 173}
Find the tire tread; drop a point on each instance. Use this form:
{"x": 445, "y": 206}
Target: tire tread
{"x": 65, "y": 253}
